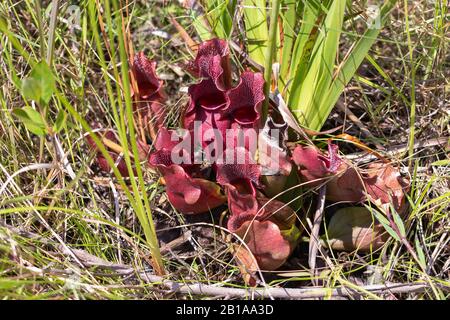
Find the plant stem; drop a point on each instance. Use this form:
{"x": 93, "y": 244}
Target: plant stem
{"x": 41, "y": 30}
{"x": 42, "y": 54}
{"x": 52, "y": 29}
{"x": 269, "y": 55}
{"x": 413, "y": 93}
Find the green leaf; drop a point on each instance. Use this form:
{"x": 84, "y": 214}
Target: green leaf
{"x": 420, "y": 253}
{"x": 289, "y": 16}
{"x": 314, "y": 81}
{"x": 305, "y": 100}
{"x": 255, "y": 18}
{"x": 292, "y": 234}
{"x": 384, "y": 222}
{"x": 445, "y": 162}
{"x": 32, "y": 120}
{"x": 348, "y": 68}
{"x": 31, "y": 89}
{"x": 40, "y": 85}
{"x": 220, "y": 16}
{"x": 60, "y": 121}
{"x": 310, "y": 19}
{"x": 398, "y": 221}
{"x": 201, "y": 27}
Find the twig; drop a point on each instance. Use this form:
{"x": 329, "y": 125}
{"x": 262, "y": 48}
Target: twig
{"x": 90, "y": 260}
{"x": 366, "y": 132}
{"x": 176, "y": 242}
{"x": 277, "y": 293}
{"x": 314, "y": 242}
{"x": 284, "y": 293}
{"x": 398, "y": 149}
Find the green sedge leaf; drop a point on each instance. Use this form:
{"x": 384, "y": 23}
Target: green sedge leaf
{"x": 349, "y": 66}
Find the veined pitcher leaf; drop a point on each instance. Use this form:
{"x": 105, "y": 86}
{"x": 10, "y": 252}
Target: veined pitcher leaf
{"x": 255, "y": 19}
{"x": 289, "y": 17}
{"x": 305, "y": 103}
{"x": 348, "y": 68}
{"x": 303, "y": 46}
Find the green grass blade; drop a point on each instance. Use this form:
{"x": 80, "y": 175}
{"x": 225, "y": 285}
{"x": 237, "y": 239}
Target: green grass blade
{"x": 220, "y": 16}
{"x": 140, "y": 192}
{"x": 123, "y": 120}
{"x": 200, "y": 24}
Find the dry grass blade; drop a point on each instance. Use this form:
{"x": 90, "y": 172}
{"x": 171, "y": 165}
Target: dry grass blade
{"x": 314, "y": 243}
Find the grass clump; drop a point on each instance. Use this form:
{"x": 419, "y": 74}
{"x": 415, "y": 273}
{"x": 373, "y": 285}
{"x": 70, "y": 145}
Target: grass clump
{"x": 69, "y": 232}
